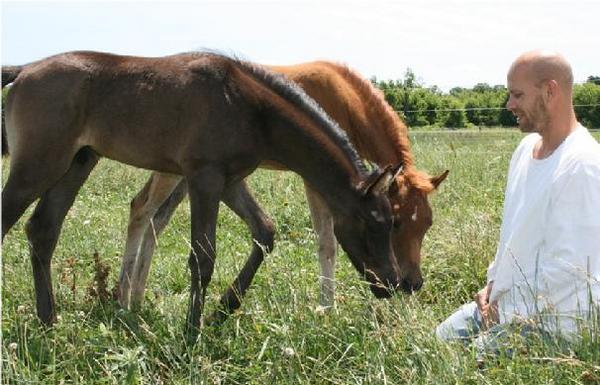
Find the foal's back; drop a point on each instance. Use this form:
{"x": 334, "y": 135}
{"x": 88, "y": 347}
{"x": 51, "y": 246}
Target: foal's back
{"x": 163, "y": 108}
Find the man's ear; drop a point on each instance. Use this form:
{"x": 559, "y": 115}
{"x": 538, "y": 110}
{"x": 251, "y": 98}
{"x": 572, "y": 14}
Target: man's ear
{"x": 550, "y": 90}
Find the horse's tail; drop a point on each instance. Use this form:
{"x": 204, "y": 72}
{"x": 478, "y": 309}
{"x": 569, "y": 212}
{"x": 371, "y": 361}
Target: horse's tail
{"x": 4, "y": 144}
{"x": 9, "y": 74}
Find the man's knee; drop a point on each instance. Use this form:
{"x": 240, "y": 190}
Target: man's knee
{"x": 462, "y": 324}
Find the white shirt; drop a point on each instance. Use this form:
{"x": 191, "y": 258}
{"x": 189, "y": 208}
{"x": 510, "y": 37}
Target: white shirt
{"x": 548, "y": 257}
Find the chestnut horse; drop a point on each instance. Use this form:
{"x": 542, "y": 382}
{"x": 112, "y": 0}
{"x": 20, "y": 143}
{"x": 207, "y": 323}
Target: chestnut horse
{"x": 207, "y": 117}
{"x": 378, "y": 135}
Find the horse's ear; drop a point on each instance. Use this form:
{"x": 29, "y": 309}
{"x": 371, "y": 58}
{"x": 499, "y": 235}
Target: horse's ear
{"x": 380, "y": 182}
{"x": 437, "y": 180}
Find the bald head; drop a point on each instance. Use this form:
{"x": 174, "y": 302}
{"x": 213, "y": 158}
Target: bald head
{"x": 540, "y": 86}
{"x": 541, "y": 66}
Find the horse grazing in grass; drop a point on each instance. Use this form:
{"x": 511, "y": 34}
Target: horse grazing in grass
{"x": 209, "y": 118}
{"x": 378, "y": 135}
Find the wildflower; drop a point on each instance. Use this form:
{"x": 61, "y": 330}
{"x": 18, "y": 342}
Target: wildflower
{"x": 289, "y": 352}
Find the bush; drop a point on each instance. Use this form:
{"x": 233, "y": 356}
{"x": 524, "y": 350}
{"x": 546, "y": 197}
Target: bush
{"x": 587, "y": 95}
{"x": 454, "y": 116}
{"x": 420, "y": 106}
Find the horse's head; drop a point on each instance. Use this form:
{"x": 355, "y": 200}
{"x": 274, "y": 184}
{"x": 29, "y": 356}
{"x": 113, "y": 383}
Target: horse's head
{"x": 364, "y": 230}
{"x": 412, "y": 218}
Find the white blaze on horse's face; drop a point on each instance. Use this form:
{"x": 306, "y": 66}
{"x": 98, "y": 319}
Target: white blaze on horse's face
{"x": 414, "y": 216}
{"x": 378, "y": 216}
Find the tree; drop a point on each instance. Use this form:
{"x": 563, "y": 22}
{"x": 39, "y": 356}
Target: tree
{"x": 594, "y": 79}
{"x": 587, "y": 97}
{"x": 482, "y": 88}
{"x": 410, "y": 79}
{"x": 420, "y": 106}
{"x": 506, "y": 119}
{"x": 457, "y": 91}
{"x": 452, "y": 114}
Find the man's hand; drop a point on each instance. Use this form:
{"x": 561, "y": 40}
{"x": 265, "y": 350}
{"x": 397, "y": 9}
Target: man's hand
{"x": 489, "y": 311}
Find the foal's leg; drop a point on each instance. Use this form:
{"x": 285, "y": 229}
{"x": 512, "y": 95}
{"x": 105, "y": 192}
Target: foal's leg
{"x": 153, "y": 231}
{"x": 143, "y": 207}
{"x": 32, "y": 172}
{"x": 323, "y": 225}
{"x": 17, "y": 195}
{"x": 44, "y": 226}
{"x": 240, "y": 200}
{"x": 206, "y": 187}
{"x": 26, "y": 182}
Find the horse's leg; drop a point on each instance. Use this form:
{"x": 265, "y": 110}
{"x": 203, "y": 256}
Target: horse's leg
{"x": 26, "y": 182}
{"x": 323, "y": 225}
{"x": 153, "y": 231}
{"x": 240, "y": 200}
{"x": 44, "y": 226}
{"x": 143, "y": 207}
{"x": 17, "y": 195}
{"x": 32, "y": 172}
{"x": 205, "y": 187}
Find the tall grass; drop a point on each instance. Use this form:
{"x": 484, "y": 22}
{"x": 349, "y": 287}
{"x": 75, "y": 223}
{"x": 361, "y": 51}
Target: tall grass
{"x": 278, "y": 336}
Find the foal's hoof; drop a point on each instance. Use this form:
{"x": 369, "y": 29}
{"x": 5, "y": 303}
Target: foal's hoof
{"x": 193, "y": 324}
{"x": 191, "y": 334}
{"x": 217, "y": 318}
{"x": 47, "y": 320}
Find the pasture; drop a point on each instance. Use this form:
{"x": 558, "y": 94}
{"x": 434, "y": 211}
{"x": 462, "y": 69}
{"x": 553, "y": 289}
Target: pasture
{"x": 279, "y": 336}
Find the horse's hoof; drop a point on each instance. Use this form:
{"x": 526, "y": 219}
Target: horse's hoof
{"x": 217, "y": 318}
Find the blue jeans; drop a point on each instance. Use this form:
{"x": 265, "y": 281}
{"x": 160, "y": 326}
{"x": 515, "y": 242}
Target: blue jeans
{"x": 466, "y": 325}
{"x": 463, "y": 324}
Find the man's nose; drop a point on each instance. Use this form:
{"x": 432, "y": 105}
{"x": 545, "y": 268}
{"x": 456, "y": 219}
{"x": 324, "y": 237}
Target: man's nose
{"x": 510, "y": 104}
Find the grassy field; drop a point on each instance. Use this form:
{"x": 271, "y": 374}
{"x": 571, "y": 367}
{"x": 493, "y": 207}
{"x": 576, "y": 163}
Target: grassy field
{"x": 278, "y": 336}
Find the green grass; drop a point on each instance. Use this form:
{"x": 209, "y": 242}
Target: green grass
{"x": 277, "y": 336}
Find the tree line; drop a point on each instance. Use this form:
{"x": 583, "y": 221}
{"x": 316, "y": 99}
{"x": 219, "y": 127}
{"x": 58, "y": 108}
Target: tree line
{"x": 480, "y": 106}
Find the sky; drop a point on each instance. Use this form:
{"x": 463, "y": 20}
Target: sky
{"x": 445, "y": 43}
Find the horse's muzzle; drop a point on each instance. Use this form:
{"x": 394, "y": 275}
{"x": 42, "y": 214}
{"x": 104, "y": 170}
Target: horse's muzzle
{"x": 383, "y": 291}
{"x": 410, "y": 287}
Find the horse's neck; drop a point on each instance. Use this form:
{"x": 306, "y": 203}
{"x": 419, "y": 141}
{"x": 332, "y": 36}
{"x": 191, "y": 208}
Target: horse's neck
{"x": 326, "y": 167}
{"x": 376, "y": 131}
{"x": 372, "y": 142}
{"x": 380, "y": 138}
{"x": 301, "y": 137}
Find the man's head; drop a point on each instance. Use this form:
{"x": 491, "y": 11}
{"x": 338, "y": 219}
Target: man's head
{"x": 540, "y": 87}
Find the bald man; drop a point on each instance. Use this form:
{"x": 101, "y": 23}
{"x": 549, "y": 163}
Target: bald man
{"x": 546, "y": 272}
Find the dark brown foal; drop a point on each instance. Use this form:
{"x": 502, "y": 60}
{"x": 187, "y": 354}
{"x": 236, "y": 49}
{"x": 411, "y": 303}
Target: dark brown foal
{"x": 207, "y": 117}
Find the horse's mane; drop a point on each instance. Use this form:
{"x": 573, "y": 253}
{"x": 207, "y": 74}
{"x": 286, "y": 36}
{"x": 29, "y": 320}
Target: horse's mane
{"x": 394, "y": 127}
{"x": 291, "y": 92}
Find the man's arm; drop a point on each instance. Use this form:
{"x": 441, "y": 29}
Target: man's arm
{"x": 571, "y": 262}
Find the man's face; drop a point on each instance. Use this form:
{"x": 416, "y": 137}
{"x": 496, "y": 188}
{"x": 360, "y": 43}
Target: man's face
{"x": 525, "y": 101}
